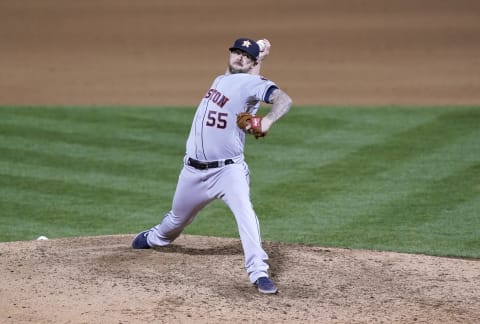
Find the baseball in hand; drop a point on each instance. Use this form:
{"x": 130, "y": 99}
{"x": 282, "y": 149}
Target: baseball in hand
{"x": 261, "y": 45}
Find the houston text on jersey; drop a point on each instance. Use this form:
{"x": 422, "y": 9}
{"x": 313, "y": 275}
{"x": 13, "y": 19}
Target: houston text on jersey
{"x": 218, "y": 98}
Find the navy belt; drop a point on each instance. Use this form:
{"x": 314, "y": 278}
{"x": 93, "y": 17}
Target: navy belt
{"x": 208, "y": 165}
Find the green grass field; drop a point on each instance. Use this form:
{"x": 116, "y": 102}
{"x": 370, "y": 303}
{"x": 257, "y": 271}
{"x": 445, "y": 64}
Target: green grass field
{"x": 386, "y": 178}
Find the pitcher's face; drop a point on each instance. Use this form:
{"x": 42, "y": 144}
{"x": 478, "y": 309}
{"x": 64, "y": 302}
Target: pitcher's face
{"x": 240, "y": 62}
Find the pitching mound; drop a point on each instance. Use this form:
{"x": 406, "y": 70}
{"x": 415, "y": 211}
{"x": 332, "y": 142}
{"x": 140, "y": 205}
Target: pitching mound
{"x": 202, "y": 279}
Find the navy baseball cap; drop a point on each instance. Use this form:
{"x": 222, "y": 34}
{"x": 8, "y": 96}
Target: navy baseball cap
{"x": 247, "y": 45}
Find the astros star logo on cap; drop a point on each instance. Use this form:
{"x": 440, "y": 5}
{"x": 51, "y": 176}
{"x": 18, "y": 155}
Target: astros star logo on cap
{"x": 246, "y": 43}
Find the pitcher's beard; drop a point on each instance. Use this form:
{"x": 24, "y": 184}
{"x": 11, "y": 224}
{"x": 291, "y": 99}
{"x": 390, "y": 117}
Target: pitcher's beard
{"x": 234, "y": 70}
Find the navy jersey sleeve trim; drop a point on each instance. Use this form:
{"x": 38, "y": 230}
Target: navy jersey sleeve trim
{"x": 269, "y": 92}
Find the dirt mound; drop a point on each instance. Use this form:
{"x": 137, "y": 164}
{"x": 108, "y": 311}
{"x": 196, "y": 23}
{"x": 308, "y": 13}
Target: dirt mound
{"x": 202, "y": 280}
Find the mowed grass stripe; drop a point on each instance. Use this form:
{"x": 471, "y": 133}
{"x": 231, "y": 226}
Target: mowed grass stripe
{"x": 320, "y": 181}
{"x": 343, "y": 128}
{"x": 107, "y": 133}
{"x": 430, "y": 153}
{"x": 413, "y": 176}
{"x": 89, "y": 136}
{"x": 103, "y": 128}
{"x": 140, "y": 121}
{"x": 50, "y": 204}
{"x": 81, "y": 151}
{"x": 65, "y": 189}
{"x": 28, "y": 221}
{"x": 63, "y": 202}
{"x": 324, "y": 146}
{"x": 418, "y": 217}
{"x": 31, "y": 160}
{"x": 89, "y": 181}
{"x": 448, "y": 225}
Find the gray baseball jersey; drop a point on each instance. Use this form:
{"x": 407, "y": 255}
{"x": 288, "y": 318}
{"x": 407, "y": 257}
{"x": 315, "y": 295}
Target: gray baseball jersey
{"x": 214, "y": 134}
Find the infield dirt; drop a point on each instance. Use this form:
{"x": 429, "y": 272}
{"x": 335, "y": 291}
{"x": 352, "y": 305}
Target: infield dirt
{"x": 159, "y": 53}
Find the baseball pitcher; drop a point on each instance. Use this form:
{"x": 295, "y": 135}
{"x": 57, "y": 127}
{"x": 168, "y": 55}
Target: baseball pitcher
{"x": 214, "y": 165}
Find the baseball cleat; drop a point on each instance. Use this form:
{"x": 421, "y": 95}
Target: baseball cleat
{"x": 140, "y": 241}
{"x": 265, "y": 285}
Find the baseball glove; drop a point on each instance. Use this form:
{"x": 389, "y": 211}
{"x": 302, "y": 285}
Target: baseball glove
{"x": 251, "y": 124}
